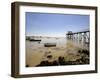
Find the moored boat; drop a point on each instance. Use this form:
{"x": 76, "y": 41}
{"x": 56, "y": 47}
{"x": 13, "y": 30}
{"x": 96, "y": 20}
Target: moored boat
{"x": 50, "y": 44}
{"x": 35, "y": 40}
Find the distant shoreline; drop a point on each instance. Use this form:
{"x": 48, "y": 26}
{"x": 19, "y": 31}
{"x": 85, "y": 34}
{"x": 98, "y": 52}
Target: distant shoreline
{"x": 46, "y": 36}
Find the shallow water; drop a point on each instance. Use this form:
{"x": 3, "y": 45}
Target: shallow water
{"x": 36, "y": 52}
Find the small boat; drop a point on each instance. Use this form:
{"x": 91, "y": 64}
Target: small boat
{"x": 35, "y": 40}
{"x": 50, "y": 44}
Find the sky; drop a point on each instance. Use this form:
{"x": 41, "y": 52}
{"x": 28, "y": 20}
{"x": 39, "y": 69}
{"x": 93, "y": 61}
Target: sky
{"x": 54, "y": 25}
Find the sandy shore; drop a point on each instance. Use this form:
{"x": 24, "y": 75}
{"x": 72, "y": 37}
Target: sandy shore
{"x": 35, "y": 52}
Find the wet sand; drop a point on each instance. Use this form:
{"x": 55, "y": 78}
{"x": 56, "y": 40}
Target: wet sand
{"x": 36, "y": 52}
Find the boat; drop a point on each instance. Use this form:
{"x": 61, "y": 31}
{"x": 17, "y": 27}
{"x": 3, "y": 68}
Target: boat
{"x": 50, "y": 44}
{"x": 35, "y": 40}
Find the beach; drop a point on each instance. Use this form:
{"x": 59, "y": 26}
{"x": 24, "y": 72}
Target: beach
{"x": 37, "y": 52}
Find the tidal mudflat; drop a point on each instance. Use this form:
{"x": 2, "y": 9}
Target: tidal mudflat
{"x": 65, "y": 52}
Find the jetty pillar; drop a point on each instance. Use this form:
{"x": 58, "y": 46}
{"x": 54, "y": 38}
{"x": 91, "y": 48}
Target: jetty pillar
{"x": 81, "y": 37}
